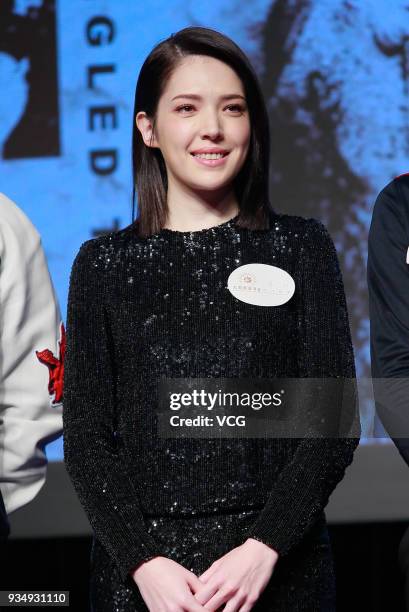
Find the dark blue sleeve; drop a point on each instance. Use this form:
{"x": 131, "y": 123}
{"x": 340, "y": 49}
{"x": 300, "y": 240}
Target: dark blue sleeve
{"x": 4, "y": 523}
{"x": 388, "y": 292}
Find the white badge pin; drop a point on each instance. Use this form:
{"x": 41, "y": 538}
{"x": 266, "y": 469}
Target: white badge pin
{"x": 261, "y": 284}
{"x": 407, "y": 256}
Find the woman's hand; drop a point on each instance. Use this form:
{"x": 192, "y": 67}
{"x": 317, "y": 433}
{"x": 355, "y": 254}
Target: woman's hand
{"x": 167, "y": 586}
{"x": 239, "y": 577}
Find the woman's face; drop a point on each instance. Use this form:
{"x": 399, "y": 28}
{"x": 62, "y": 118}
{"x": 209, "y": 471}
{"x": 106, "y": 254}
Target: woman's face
{"x": 216, "y": 117}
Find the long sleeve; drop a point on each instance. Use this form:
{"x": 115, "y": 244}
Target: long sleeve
{"x": 91, "y": 452}
{"x": 325, "y": 350}
{"x": 30, "y": 322}
{"x": 388, "y": 288}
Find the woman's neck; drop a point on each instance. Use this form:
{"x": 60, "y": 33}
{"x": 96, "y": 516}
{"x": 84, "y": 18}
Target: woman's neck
{"x": 191, "y": 214}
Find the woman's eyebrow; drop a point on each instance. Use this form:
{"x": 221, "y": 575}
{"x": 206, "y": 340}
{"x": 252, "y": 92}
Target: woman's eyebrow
{"x": 197, "y": 97}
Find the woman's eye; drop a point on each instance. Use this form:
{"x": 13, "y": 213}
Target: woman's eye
{"x": 184, "y": 106}
{"x": 234, "y": 107}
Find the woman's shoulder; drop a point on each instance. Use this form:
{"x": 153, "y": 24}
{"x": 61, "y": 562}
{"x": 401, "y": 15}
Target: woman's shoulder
{"x": 107, "y": 250}
{"x": 309, "y": 238}
{"x": 299, "y": 227}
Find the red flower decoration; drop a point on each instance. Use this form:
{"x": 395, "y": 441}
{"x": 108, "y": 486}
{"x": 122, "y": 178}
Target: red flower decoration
{"x": 55, "y": 367}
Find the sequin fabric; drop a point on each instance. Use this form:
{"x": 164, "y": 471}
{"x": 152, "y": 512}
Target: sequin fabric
{"x": 144, "y": 309}
{"x": 303, "y": 580}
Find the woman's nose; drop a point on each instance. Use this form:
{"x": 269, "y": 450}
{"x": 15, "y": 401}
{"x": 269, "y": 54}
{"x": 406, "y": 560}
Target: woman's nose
{"x": 211, "y": 125}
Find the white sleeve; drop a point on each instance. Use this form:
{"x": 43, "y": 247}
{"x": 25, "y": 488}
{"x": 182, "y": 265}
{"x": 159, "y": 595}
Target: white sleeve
{"x": 30, "y": 392}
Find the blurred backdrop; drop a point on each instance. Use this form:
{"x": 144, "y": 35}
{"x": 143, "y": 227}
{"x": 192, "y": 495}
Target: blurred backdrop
{"x": 335, "y": 75}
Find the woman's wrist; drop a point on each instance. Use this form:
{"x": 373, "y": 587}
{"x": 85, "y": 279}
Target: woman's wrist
{"x": 253, "y": 542}
{"x": 135, "y": 569}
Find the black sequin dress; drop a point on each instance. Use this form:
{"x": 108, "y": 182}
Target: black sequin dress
{"x": 144, "y": 309}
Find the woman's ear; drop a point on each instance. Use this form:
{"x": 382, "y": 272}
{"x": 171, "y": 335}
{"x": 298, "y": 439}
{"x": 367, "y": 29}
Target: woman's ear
{"x": 145, "y": 126}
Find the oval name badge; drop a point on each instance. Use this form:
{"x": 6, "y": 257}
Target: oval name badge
{"x": 261, "y": 284}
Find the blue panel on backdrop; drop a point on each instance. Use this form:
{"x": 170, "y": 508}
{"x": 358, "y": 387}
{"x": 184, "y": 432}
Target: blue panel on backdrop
{"x": 333, "y": 74}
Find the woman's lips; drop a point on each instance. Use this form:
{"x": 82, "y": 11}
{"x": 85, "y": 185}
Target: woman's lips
{"x": 210, "y": 162}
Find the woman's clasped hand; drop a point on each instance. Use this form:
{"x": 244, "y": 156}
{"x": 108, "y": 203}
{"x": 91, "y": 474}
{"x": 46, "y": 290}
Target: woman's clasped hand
{"x": 233, "y": 583}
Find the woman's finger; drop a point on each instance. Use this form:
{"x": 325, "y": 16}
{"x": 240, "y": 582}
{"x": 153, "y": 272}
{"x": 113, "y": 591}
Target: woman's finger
{"x": 206, "y": 574}
{"x": 244, "y": 608}
{"x": 236, "y": 604}
{"x": 194, "y": 582}
{"x": 220, "y": 597}
{"x": 205, "y": 591}
{"x": 193, "y": 605}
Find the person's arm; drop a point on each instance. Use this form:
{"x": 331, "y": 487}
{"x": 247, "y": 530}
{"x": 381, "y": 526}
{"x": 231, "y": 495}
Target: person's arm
{"x": 388, "y": 290}
{"x": 325, "y": 350}
{"x": 108, "y": 495}
{"x": 29, "y": 321}
{"x": 4, "y": 522}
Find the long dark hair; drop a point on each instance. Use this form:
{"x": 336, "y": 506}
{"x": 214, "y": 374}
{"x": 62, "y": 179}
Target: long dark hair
{"x": 149, "y": 170}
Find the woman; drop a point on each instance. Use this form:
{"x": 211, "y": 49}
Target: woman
{"x": 201, "y": 523}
